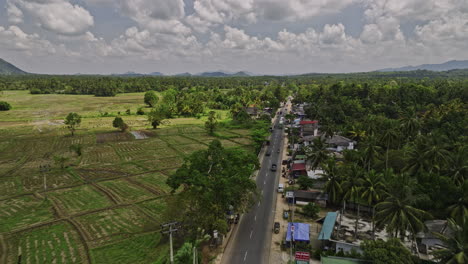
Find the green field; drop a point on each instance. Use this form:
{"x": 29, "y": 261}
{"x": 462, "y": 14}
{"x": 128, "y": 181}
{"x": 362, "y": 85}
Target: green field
{"x": 106, "y": 205}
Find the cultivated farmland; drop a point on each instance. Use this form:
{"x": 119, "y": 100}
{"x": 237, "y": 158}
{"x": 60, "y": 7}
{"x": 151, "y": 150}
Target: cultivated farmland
{"x": 104, "y": 206}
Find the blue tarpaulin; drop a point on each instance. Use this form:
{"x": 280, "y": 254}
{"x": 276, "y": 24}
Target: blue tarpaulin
{"x": 328, "y": 226}
{"x": 301, "y": 232}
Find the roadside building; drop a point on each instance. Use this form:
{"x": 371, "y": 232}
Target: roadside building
{"x": 298, "y": 169}
{"x": 297, "y": 232}
{"x": 312, "y": 196}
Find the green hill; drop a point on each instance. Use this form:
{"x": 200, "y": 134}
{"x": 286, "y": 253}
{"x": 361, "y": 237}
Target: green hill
{"x": 7, "y": 68}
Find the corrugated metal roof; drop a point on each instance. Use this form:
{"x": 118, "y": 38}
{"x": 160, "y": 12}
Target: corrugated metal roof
{"x": 328, "y": 225}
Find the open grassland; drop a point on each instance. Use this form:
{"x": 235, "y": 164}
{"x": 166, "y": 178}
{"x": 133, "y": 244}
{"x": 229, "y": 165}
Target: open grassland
{"x": 104, "y": 206}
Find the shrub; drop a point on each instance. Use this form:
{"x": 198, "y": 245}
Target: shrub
{"x": 4, "y": 106}
{"x": 140, "y": 111}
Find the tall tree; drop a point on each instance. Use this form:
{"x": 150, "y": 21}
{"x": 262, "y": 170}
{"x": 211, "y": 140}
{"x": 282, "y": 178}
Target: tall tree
{"x": 151, "y": 99}
{"x": 333, "y": 179}
{"x": 317, "y": 152}
{"x": 120, "y": 124}
{"x": 213, "y": 182}
{"x": 156, "y": 116}
{"x": 73, "y": 120}
{"x": 211, "y": 123}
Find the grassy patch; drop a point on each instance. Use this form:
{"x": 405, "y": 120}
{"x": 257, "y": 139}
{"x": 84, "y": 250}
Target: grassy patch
{"x": 57, "y": 243}
{"x": 142, "y": 249}
{"x": 22, "y": 212}
{"x": 125, "y": 191}
{"x": 79, "y": 199}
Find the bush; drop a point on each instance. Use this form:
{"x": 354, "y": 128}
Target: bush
{"x": 4, "y": 106}
{"x": 311, "y": 210}
{"x": 140, "y": 111}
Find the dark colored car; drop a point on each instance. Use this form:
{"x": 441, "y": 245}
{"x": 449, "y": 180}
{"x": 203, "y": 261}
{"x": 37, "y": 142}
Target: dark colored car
{"x": 268, "y": 153}
{"x": 276, "y": 227}
{"x": 273, "y": 167}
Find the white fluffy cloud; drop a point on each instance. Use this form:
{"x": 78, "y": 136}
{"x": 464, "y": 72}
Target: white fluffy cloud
{"x": 298, "y": 9}
{"x": 59, "y": 16}
{"x": 226, "y": 32}
{"x": 13, "y": 38}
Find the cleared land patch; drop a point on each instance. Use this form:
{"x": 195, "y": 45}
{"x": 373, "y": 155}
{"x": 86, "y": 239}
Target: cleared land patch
{"x": 78, "y": 199}
{"x": 124, "y": 191}
{"x": 57, "y": 243}
{"x": 23, "y": 211}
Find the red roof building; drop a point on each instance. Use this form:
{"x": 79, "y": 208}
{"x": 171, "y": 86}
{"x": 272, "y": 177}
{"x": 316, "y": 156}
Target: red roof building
{"x": 298, "y": 169}
{"x": 308, "y": 122}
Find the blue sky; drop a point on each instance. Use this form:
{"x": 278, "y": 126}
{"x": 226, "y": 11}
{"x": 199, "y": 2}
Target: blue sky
{"x": 260, "y": 36}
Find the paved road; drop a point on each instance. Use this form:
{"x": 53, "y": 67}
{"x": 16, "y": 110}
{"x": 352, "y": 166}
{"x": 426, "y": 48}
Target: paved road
{"x": 251, "y": 243}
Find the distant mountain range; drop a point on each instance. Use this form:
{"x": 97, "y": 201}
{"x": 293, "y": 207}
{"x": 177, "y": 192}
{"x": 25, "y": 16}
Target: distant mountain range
{"x": 447, "y": 66}
{"x": 7, "y": 68}
{"x": 187, "y": 74}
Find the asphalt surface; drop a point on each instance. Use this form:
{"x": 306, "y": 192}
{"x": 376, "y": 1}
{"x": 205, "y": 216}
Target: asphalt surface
{"x": 251, "y": 242}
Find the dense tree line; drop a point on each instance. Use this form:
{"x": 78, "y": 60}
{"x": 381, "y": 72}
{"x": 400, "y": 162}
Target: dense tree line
{"x": 411, "y": 160}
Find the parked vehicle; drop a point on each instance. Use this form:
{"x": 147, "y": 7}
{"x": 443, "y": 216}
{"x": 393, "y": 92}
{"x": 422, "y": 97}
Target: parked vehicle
{"x": 280, "y": 188}
{"x": 276, "y": 228}
{"x": 285, "y": 214}
{"x": 273, "y": 167}
{"x": 268, "y": 153}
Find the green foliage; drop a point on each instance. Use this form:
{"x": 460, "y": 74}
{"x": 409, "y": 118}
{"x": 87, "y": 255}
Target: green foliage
{"x": 61, "y": 161}
{"x": 456, "y": 251}
{"x": 156, "y": 116}
{"x": 77, "y": 148}
{"x": 140, "y": 111}
{"x": 73, "y": 120}
{"x": 4, "y": 106}
{"x": 311, "y": 210}
{"x": 305, "y": 182}
{"x": 211, "y": 123}
{"x": 120, "y": 124}
{"x": 386, "y": 252}
{"x": 213, "y": 180}
{"x": 151, "y": 99}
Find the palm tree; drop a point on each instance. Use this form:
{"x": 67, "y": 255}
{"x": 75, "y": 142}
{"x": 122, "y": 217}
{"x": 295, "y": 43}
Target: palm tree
{"x": 317, "y": 153}
{"x": 458, "y": 167}
{"x": 459, "y": 210}
{"x": 397, "y": 213}
{"x": 389, "y": 137}
{"x": 352, "y": 187}
{"x": 415, "y": 160}
{"x": 456, "y": 249}
{"x": 436, "y": 154}
{"x": 371, "y": 151}
{"x": 410, "y": 125}
{"x": 373, "y": 187}
{"x": 333, "y": 179}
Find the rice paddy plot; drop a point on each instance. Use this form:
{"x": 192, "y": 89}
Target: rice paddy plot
{"x": 10, "y": 186}
{"x": 155, "y": 208}
{"x": 113, "y": 137}
{"x": 228, "y": 143}
{"x": 204, "y": 138}
{"x": 79, "y": 199}
{"x": 188, "y": 149}
{"x": 162, "y": 164}
{"x": 124, "y": 191}
{"x": 178, "y": 140}
{"x": 141, "y": 249}
{"x": 33, "y": 180}
{"x": 99, "y": 173}
{"x": 23, "y": 211}
{"x": 155, "y": 180}
{"x": 57, "y": 243}
{"x": 243, "y": 132}
{"x": 101, "y": 154}
{"x": 243, "y": 141}
{"x": 116, "y": 223}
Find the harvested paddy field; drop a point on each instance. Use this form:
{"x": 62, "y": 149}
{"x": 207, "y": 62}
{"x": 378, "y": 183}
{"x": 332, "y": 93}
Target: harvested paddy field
{"x": 103, "y": 206}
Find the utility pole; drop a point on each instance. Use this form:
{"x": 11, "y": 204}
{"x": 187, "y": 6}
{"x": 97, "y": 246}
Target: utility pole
{"x": 173, "y": 227}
